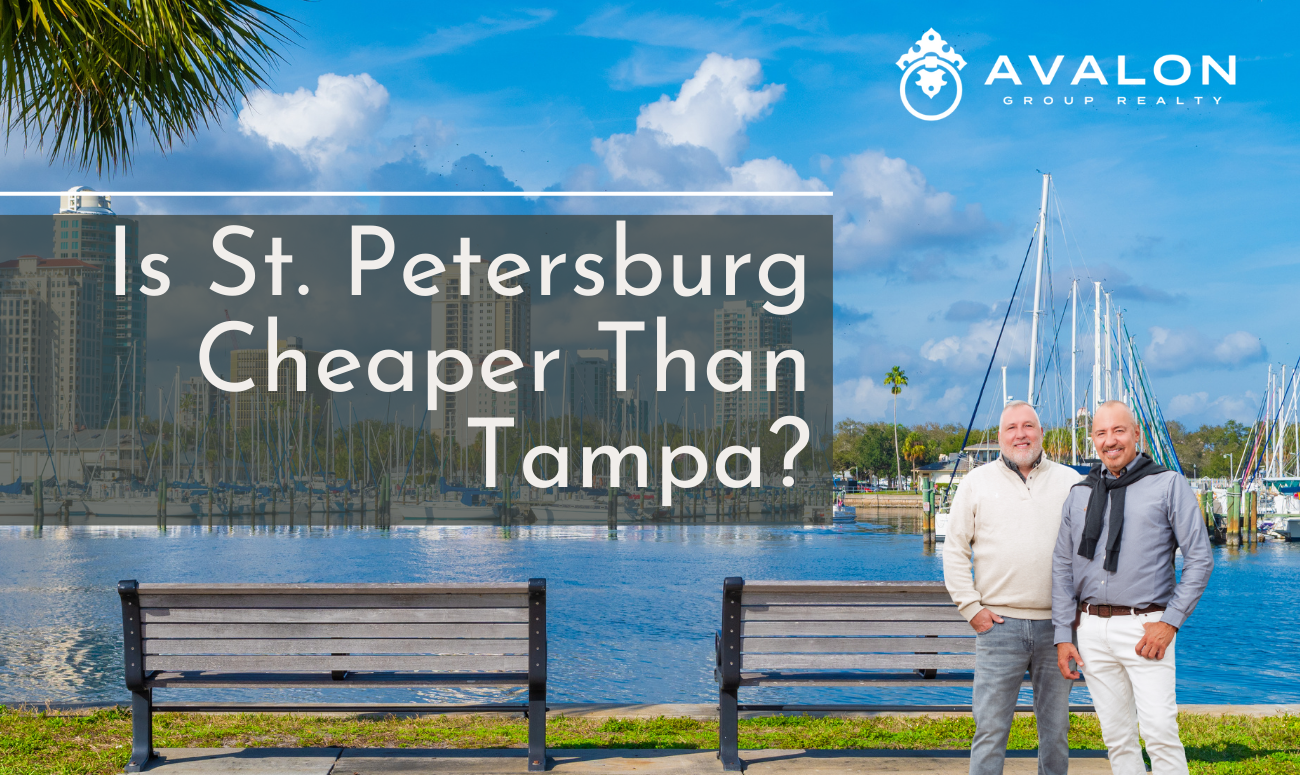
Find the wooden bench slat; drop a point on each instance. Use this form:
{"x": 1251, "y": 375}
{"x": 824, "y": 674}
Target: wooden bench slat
{"x": 929, "y": 597}
{"x": 515, "y": 587}
{"x": 859, "y": 628}
{"x": 296, "y": 663}
{"x": 168, "y": 629}
{"x": 513, "y": 600}
{"x": 780, "y": 613}
{"x": 907, "y": 680}
{"x": 169, "y": 679}
{"x": 354, "y": 646}
{"x": 857, "y": 661}
{"x": 843, "y": 586}
{"x": 335, "y": 615}
{"x": 754, "y": 645}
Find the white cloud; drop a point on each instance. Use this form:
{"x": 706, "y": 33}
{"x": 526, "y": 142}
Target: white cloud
{"x": 343, "y": 112}
{"x": 1239, "y": 347}
{"x": 862, "y": 399}
{"x": 1199, "y": 407}
{"x": 884, "y": 204}
{"x": 714, "y": 106}
{"x": 447, "y": 39}
{"x": 695, "y": 141}
{"x": 1176, "y": 350}
{"x": 971, "y": 351}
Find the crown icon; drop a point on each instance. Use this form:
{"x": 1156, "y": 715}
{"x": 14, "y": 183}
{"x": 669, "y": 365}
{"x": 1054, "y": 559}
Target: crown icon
{"x": 931, "y": 45}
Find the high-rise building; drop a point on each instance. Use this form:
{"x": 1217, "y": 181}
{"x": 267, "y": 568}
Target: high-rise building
{"x": 744, "y": 326}
{"x": 50, "y": 320}
{"x": 200, "y": 401}
{"x": 479, "y": 323}
{"x": 590, "y": 385}
{"x": 85, "y": 228}
{"x": 629, "y": 415}
{"x": 254, "y": 403}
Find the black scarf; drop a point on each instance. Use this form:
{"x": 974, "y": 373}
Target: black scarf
{"x": 1141, "y": 467}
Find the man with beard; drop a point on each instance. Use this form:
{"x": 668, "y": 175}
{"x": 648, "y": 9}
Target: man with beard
{"x": 1007, "y": 515}
{"x": 1126, "y": 604}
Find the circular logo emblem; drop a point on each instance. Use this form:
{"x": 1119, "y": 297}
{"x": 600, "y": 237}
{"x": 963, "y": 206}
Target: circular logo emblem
{"x": 929, "y": 60}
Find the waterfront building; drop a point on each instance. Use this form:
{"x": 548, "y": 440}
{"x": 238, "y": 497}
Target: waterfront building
{"x": 254, "y": 403}
{"x": 73, "y": 456}
{"x": 50, "y": 320}
{"x": 744, "y": 326}
{"x": 479, "y": 323}
{"x": 85, "y": 229}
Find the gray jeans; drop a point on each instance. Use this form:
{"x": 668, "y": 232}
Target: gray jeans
{"x": 1002, "y": 656}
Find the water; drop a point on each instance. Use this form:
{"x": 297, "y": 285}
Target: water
{"x": 632, "y": 612}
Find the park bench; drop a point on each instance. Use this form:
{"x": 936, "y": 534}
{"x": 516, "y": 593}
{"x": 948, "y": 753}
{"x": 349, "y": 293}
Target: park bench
{"x": 308, "y": 636}
{"x": 836, "y": 633}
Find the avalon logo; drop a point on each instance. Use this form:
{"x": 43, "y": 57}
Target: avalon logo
{"x": 929, "y": 59}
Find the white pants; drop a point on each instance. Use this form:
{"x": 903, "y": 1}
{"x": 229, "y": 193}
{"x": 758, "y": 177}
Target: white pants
{"x": 1128, "y": 691}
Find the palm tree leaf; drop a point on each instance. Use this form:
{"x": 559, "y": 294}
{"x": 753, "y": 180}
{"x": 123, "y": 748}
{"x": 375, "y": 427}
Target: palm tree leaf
{"x": 81, "y": 78}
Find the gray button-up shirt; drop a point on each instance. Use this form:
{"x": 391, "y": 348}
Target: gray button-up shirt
{"x": 1160, "y": 515}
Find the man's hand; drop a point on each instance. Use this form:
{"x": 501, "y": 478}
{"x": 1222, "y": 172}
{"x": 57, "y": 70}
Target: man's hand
{"x": 1064, "y": 653}
{"x": 1157, "y": 638}
{"x": 983, "y": 621}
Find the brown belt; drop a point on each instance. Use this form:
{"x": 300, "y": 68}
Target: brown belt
{"x": 1107, "y": 611}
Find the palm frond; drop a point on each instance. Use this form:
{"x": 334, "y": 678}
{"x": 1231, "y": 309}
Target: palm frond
{"x": 82, "y": 78}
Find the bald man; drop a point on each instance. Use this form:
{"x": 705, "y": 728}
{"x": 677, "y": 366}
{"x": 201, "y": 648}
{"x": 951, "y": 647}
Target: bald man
{"x": 1113, "y": 573}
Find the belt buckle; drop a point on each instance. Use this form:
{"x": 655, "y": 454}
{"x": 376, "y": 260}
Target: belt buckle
{"x": 1105, "y": 611}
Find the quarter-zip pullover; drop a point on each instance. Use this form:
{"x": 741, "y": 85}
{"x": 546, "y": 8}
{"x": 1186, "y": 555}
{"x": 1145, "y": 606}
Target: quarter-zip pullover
{"x": 1004, "y": 528}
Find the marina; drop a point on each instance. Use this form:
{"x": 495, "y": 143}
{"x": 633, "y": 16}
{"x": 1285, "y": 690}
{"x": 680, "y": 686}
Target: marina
{"x": 648, "y": 590}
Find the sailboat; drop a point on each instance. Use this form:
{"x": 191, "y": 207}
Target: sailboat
{"x": 1118, "y": 372}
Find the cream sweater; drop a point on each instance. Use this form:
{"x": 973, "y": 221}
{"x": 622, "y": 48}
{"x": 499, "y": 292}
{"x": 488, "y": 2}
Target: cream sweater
{"x": 1010, "y": 527}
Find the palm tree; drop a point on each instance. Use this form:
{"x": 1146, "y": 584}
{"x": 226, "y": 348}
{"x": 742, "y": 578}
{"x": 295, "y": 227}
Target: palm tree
{"x": 914, "y": 449}
{"x": 81, "y": 77}
{"x": 896, "y": 379}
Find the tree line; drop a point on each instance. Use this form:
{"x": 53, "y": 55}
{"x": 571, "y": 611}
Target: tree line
{"x": 869, "y": 447}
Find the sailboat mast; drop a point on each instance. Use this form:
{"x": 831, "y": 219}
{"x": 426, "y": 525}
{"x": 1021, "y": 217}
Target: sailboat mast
{"x": 1005, "y": 398}
{"x": 1038, "y": 291}
{"x": 1106, "y": 344}
{"x": 1096, "y": 347}
{"x": 1074, "y": 354}
{"x": 1121, "y": 388}
{"x": 176, "y": 431}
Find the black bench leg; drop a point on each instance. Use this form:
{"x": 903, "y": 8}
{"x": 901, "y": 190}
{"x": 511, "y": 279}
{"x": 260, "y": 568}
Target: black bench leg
{"x": 141, "y": 730}
{"x": 729, "y": 730}
{"x": 536, "y": 734}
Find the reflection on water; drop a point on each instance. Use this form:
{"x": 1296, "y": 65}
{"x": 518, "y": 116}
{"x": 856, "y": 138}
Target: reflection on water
{"x": 632, "y": 610}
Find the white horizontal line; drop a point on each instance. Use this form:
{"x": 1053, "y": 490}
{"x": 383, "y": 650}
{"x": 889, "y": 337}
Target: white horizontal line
{"x": 527, "y": 194}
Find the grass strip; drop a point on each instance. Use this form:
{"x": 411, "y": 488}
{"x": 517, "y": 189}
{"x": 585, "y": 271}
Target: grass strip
{"x": 97, "y": 742}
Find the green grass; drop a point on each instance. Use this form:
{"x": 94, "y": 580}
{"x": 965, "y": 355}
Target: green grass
{"x": 98, "y": 742}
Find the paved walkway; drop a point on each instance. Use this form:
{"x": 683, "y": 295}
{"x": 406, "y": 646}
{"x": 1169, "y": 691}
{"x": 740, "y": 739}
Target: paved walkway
{"x": 401, "y": 761}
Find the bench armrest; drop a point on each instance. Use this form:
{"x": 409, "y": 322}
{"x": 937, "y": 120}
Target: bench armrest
{"x": 537, "y": 646}
{"x": 132, "y": 635}
{"x": 728, "y": 639}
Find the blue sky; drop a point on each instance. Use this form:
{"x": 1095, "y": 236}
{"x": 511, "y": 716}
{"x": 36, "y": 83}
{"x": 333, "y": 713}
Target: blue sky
{"x": 1184, "y": 211}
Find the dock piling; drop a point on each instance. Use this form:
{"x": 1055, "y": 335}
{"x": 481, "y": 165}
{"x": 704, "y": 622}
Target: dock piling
{"x": 1234, "y": 515}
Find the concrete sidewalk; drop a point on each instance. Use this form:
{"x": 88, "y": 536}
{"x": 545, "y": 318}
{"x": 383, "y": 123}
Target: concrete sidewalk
{"x": 405, "y": 761}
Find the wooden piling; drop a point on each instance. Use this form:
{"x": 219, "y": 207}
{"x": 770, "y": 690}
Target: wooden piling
{"x": 1252, "y": 527}
{"x": 1234, "y": 515}
{"x": 38, "y": 504}
{"x": 927, "y": 510}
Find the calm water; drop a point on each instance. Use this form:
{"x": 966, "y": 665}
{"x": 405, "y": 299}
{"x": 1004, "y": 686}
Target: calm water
{"x": 632, "y": 612}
